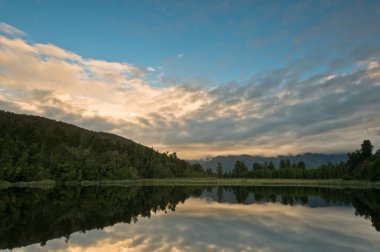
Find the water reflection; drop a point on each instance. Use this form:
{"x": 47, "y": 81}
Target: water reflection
{"x": 229, "y": 218}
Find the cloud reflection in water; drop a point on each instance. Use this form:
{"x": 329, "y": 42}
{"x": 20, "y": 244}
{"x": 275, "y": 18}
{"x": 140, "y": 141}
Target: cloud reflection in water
{"x": 203, "y": 225}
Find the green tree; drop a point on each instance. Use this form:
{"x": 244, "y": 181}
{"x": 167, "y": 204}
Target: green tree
{"x": 271, "y": 166}
{"x": 288, "y": 164}
{"x": 219, "y": 170}
{"x": 285, "y": 164}
{"x": 240, "y": 170}
{"x": 301, "y": 165}
{"x": 209, "y": 172}
{"x": 366, "y": 149}
{"x": 256, "y": 167}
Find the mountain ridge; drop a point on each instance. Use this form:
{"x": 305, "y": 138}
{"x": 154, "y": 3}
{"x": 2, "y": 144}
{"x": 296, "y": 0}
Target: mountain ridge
{"x": 312, "y": 160}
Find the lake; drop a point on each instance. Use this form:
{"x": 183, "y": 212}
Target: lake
{"x": 189, "y": 219}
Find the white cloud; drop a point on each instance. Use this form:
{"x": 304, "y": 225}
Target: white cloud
{"x": 151, "y": 69}
{"x": 56, "y": 52}
{"x": 10, "y": 30}
{"x": 114, "y": 71}
{"x": 270, "y": 114}
{"x": 373, "y": 64}
{"x": 16, "y": 45}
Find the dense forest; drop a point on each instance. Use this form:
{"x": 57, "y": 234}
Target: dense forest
{"x": 34, "y": 148}
{"x": 361, "y": 164}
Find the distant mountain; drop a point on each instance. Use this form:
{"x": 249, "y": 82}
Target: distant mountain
{"x": 35, "y": 148}
{"x": 312, "y": 160}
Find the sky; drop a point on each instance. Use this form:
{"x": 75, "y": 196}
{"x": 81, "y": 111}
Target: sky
{"x": 201, "y": 78}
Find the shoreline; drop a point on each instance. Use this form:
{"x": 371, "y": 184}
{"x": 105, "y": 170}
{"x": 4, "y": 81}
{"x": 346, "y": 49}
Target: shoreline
{"x": 336, "y": 183}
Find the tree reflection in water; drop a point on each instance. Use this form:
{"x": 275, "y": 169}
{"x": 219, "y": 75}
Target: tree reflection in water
{"x": 29, "y": 215}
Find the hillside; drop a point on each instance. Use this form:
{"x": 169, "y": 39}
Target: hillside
{"x": 34, "y": 148}
{"x": 312, "y": 160}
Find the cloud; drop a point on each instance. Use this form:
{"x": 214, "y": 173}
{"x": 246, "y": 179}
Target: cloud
{"x": 16, "y": 45}
{"x": 112, "y": 71}
{"x": 151, "y": 69}
{"x": 276, "y": 112}
{"x": 11, "y": 30}
{"x": 55, "y": 52}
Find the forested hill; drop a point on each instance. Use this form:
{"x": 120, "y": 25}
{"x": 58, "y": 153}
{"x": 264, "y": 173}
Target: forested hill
{"x": 35, "y": 148}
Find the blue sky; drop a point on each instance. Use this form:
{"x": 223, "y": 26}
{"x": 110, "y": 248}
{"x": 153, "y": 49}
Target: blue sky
{"x": 228, "y": 64}
{"x": 220, "y": 40}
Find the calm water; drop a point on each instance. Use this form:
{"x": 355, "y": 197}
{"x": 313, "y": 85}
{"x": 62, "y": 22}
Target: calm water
{"x": 189, "y": 219}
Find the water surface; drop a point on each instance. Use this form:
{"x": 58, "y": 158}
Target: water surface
{"x": 189, "y": 219}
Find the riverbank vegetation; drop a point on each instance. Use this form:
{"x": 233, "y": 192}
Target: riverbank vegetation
{"x": 34, "y": 148}
{"x": 206, "y": 181}
{"x": 361, "y": 165}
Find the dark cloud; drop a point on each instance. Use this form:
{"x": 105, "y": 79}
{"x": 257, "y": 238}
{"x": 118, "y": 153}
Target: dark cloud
{"x": 10, "y": 106}
{"x": 94, "y": 123}
{"x": 314, "y": 106}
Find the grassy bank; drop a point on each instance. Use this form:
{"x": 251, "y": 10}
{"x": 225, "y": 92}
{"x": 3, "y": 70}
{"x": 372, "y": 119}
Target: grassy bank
{"x": 245, "y": 182}
{"x": 204, "y": 182}
{"x": 34, "y": 184}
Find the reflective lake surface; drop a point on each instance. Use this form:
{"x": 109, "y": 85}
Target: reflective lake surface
{"x": 189, "y": 219}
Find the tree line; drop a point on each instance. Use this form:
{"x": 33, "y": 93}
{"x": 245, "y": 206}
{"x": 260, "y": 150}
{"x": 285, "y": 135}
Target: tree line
{"x": 361, "y": 164}
{"x": 35, "y": 148}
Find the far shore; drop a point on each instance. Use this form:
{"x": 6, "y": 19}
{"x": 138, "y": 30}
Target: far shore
{"x": 336, "y": 183}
